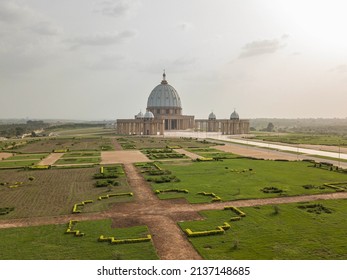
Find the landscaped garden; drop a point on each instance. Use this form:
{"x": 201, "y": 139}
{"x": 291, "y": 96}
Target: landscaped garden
{"x": 54, "y": 191}
{"x": 51, "y": 242}
{"x": 242, "y": 178}
{"x": 312, "y": 230}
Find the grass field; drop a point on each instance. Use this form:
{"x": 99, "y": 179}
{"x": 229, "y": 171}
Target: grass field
{"x": 72, "y": 144}
{"x": 81, "y": 154}
{"x": 234, "y": 179}
{"x": 17, "y": 163}
{"x": 314, "y": 139}
{"x": 50, "y": 243}
{"x": 55, "y": 191}
{"x": 292, "y": 233}
{"x": 78, "y": 160}
{"x": 136, "y": 142}
{"x": 27, "y": 156}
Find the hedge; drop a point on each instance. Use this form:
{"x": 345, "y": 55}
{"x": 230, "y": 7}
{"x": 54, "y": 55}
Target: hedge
{"x": 70, "y": 226}
{"x": 114, "y": 194}
{"x": 219, "y": 230}
{"x": 75, "y": 210}
{"x": 113, "y": 240}
{"x": 235, "y": 210}
{"x": 215, "y": 197}
{"x": 40, "y": 167}
{"x": 61, "y": 151}
{"x": 172, "y": 190}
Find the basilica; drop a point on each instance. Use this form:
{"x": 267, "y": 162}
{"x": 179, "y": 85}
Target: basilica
{"x": 164, "y": 112}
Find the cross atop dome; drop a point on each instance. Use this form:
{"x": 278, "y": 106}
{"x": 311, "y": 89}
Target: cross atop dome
{"x": 164, "y": 81}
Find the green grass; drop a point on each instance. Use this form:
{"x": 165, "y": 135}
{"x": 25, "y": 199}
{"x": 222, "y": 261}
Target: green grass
{"x": 314, "y": 139}
{"x": 234, "y": 179}
{"x": 136, "y": 142}
{"x": 293, "y": 233}
{"x": 19, "y": 163}
{"x": 54, "y": 192}
{"x": 81, "y": 154}
{"x": 27, "y": 156}
{"x": 78, "y": 160}
{"x": 50, "y": 243}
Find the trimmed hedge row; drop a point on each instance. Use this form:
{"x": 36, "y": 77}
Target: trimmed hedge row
{"x": 39, "y": 167}
{"x": 237, "y": 211}
{"x": 113, "y": 240}
{"x": 204, "y": 159}
{"x": 61, "y": 151}
{"x": 335, "y": 186}
{"x": 218, "y": 230}
{"x": 114, "y": 194}
{"x": 70, "y": 229}
{"x": 215, "y": 197}
{"x": 75, "y": 209}
{"x": 172, "y": 190}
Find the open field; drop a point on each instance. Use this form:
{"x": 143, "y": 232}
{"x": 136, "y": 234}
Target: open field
{"x": 51, "y": 243}
{"x": 139, "y": 143}
{"x": 55, "y": 191}
{"x": 46, "y": 199}
{"x": 17, "y": 163}
{"x": 266, "y": 233}
{"x": 71, "y": 144}
{"x": 234, "y": 179}
{"x": 313, "y": 139}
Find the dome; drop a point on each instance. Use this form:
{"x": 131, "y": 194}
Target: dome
{"x": 212, "y": 116}
{"x": 139, "y": 115}
{"x": 164, "y": 96}
{"x": 234, "y": 116}
{"x": 148, "y": 115}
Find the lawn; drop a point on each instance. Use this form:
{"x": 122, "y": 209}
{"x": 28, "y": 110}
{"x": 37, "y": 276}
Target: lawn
{"x": 292, "y": 233}
{"x": 314, "y": 139}
{"x": 71, "y": 144}
{"x": 55, "y": 191}
{"x": 234, "y": 179}
{"x": 27, "y": 156}
{"x": 17, "y": 163}
{"x": 50, "y": 243}
{"x": 78, "y": 160}
{"x": 137, "y": 142}
{"x": 81, "y": 154}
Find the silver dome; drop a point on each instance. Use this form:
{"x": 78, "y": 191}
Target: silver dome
{"x": 148, "y": 115}
{"x": 211, "y": 116}
{"x": 234, "y": 116}
{"x": 164, "y": 96}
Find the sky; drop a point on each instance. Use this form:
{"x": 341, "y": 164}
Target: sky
{"x": 100, "y": 59}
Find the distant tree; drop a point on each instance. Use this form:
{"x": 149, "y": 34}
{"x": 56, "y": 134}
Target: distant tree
{"x": 252, "y": 128}
{"x": 19, "y": 131}
{"x": 270, "y": 127}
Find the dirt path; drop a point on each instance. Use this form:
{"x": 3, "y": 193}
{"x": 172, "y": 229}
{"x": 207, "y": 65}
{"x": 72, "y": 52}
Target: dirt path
{"x": 117, "y": 146}
{"x": 51, "y": 159}
{"x": 187, "y": 153}
{"x": 125, "y": 157}
{"x": 5, "y": 155}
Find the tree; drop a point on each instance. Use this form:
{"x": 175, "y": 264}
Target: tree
{"x": 270, "y": 127}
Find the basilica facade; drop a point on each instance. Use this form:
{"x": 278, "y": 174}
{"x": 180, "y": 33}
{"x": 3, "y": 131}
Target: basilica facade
{"x": 164, "y": 112}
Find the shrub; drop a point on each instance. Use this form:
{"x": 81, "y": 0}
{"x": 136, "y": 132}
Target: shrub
{"x": 218, "y": 230}
{"x": 31, "y": 178}
{"x": 235, "y": 210}
{"x": 271, "y": 190}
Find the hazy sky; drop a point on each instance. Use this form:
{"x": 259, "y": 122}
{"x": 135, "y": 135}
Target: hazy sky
{"x": 100, "y": 59}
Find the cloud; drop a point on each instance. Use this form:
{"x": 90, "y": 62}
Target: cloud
{"x": 46, "y": 28}
{"x": 101, "y": 39}
{"x": 11, "y": 12}
{"x": 116, "y": 8}
{"x": 260, "y": 47}
{"x": 342, "y": 68}
{"x": 107, "y": 62}
{"x": 185, "y": 26}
